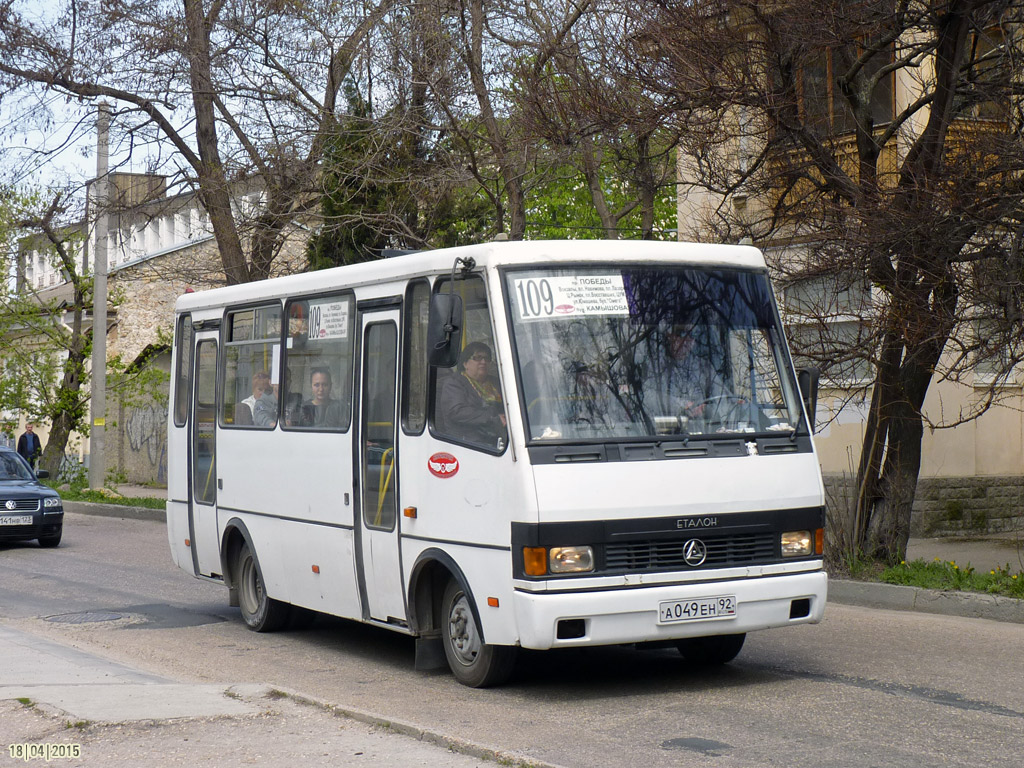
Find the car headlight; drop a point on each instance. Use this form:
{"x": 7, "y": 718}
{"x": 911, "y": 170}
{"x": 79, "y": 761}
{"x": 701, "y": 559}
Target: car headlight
{"x": 539, "y": 561}
{"x": 797, "y": 543}
{"x": 51, "y": 502}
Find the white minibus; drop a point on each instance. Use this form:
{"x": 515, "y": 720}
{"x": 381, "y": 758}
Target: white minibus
{"x": 509, "y": 445}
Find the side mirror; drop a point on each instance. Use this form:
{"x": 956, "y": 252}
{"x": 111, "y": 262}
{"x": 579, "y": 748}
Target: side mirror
{"x": 444, "y": 330}
{"x": 42, "y": 474}
{"x": 807, "y": 378}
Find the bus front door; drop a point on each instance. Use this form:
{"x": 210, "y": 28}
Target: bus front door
{"x": 202, "y": 507}
{"x": 380, "y": 577}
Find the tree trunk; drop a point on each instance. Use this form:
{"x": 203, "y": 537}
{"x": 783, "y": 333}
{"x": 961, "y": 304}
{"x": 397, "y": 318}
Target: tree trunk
{"x": 71, "y": 404}
{"x": 213, "y": 185}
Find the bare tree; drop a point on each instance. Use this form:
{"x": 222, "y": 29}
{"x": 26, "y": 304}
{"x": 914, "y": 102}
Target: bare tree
{"x": 232, "y": 96}
{"x": 797, "y": 135}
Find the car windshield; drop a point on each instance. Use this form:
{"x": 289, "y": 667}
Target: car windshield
{"x": 639, "y": 352}
{"x": 13, "y": 468}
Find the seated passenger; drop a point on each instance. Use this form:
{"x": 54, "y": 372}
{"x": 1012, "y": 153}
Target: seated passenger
{"x": 321, "y": 409}
{"x": 469, "y": 404}
{"x": 262, "y": 403}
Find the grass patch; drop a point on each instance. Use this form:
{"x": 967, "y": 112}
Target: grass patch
{"x": 940, "y": 574}
{"x": 101, "y": 497}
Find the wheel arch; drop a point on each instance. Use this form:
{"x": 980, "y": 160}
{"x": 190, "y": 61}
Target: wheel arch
{"x": 235, "y": 534}
{"x": 428, "y": 578}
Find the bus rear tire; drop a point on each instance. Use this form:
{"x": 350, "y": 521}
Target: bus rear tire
{"x": 472, "y": 662}
{"x": 711, "y": 651}
{"x": 260, "y": 612}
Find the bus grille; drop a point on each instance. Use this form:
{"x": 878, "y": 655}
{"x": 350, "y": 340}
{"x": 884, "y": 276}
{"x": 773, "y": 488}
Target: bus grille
{"x": 723, "y": 552}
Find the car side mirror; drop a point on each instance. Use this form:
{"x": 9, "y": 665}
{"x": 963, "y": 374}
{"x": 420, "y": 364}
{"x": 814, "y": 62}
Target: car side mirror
{"x": 42, "y": 474}
{"x": 807, "y": 379}
{"x": 444, "y": 330}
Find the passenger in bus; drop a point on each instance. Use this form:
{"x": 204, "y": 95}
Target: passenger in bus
{"x": 322, "y": 410}
{"x": 469, "y": 404}
{"x": 262, "y": 404}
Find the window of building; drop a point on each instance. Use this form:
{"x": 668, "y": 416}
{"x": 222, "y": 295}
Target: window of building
{"x": 825, "y": 108}
{"x": 826, "y": 327}
{"x": 317, "y": 392}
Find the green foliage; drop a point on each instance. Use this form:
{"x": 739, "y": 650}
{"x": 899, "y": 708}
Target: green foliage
{"x": 363, "y": 197}
{"x": 940, "y": 574}
{"x": 562, "y": 208}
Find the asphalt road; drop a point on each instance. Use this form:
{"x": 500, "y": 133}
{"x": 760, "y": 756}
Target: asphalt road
{"x": 865, "y": 688}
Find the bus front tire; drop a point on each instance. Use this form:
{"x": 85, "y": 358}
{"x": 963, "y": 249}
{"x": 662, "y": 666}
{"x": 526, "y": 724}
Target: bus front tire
{"x": 472, "y": 662}
{"x": 260, "y": 612}
{"x": 711, "y": 651}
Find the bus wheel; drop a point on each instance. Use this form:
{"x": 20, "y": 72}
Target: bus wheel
{"x": 720, "y": 649}
{"x": 472, "y": 662}
{"x": 261, "y": 613}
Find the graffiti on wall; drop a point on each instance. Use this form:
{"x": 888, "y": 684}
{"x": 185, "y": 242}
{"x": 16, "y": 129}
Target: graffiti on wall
{"x": 146, "y": 430}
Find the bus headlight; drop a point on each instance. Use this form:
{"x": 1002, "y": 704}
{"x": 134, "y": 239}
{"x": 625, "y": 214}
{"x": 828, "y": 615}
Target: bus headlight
{"x": 571, "y": 559}
{"x": 797, "y": 543}
{"x": 540, "y": 561}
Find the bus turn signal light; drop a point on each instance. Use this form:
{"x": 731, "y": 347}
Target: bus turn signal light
{"x": 535, "y": 561}
{"x": 819, "y": 541}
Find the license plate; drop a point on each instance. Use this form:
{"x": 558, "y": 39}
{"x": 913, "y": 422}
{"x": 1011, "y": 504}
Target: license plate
{"x": 723, "y": 607}
{"x": 15, "y": 519}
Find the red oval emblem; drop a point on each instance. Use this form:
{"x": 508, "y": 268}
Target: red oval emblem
{"x": 565, "y": 309}
{"x": 443, "y": 465}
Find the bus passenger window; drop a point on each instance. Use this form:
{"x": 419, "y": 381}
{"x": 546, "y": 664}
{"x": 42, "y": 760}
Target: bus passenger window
{"x": 414, "y": 369}
{"x": 468, "y": 406}
{"x": 251, "y": 364}
{"x": 318, "y": 363}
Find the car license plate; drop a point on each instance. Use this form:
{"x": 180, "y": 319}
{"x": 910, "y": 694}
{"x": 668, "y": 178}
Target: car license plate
{"x": 15, "y": 519}
{"x": 723, "y": 607}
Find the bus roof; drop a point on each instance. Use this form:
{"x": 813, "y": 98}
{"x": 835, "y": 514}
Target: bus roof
{"x": 491, "y": 254}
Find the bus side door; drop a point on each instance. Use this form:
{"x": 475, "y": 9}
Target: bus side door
{"x": 379, "y": 526}
{"x": 202, "y": 507}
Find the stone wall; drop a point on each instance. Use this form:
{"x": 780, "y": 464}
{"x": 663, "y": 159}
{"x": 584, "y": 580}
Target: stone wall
{"x": 136, "y": 440}
{"x": 948, "y": 506}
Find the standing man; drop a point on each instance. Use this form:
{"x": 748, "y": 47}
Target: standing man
{"x": 29, "y": 445}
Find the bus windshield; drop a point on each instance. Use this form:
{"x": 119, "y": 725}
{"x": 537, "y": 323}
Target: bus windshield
{"x": 607, "y": 353}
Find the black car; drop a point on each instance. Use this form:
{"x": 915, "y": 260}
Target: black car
{"x": 28, "y": 509}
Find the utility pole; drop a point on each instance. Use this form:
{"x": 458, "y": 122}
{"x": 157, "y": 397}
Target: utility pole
{"x": 98, "y": 402}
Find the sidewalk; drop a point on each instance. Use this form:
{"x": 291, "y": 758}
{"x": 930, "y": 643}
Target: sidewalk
{"x": 57, "y": 697}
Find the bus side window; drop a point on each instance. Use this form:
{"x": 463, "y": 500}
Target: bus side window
{"x": 251, "y": 366}
{"x": 467, "y": 406}
{"x": 183, "y": 370}
{"x": 414, "y": 369}
{"x": 317, "y": 391}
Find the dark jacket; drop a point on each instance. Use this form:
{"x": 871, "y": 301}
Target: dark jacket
{"x": 30, "y": 447}
{"x": 463, "y": 414}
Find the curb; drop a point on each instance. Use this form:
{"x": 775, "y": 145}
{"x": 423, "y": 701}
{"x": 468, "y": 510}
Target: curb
{"x": 115, "y": 510}
{"x": 893, "y": 597}
{"x": 411, "y": 730}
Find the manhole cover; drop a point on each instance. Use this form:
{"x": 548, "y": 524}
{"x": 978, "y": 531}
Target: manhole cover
{"x": 88, "y": 617}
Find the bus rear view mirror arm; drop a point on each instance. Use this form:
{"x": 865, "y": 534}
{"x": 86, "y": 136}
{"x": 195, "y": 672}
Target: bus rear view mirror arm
{"x": 807, "y": 378}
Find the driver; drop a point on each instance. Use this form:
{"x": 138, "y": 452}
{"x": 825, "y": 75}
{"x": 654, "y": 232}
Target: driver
{"x": 691, "y": 384}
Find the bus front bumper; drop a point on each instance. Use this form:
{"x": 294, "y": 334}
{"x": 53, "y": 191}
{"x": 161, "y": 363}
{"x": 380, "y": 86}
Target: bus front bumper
{"x": 631, "y": 615}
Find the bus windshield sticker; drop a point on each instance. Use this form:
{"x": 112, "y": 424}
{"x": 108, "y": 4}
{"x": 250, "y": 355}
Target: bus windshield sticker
{"x": 328, "y": 320}
{"x": 541, "y": 298}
